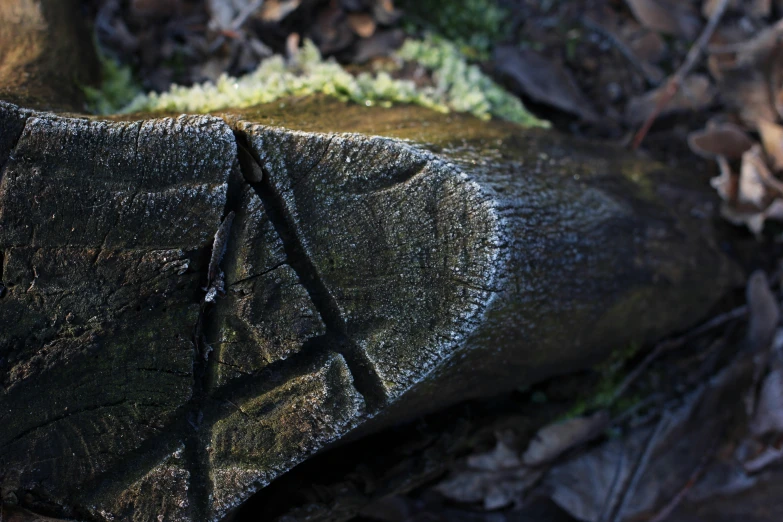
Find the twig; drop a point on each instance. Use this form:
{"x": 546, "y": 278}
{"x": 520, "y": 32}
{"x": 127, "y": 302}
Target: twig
{"x": 609, "y": 501}
{"x": 623, "y": 48}
{"x": 674, "y": 83}
{"x": 241, "y": 18}
{"x": 641, "y": 465}
{"x": 669, "y": 508}
{"x": 671, "y": 344}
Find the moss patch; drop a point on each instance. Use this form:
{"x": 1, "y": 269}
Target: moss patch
{"x": 612, "y": 373}
{"x": 458, "y": 87}
{"x": 118, "y": 87}
{"x": 474, "y": 25}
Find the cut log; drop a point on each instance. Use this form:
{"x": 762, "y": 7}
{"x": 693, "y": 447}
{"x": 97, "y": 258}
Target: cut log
{"x": 191, "y": 306}
{"x": 367, "y": 280}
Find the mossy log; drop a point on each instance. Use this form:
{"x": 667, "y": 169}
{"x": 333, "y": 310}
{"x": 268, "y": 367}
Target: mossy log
{"x": 367, "y": 280}
{"x": 192, "y": 305}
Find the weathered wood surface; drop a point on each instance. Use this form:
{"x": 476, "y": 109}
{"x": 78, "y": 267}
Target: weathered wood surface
{"x": 367, "y": 280}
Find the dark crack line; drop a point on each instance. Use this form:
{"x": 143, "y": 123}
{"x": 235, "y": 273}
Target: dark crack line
{"x": 59, "y": 418}
{"x": 2, "y": 269}
{"x": 251, "y": 277}
{"x": 12, "y": 150}
{"x": 366, "y": 379}
{"x": 197, "y": 459}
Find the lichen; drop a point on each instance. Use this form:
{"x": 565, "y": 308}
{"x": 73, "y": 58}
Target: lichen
{"x": 458, "y": 87}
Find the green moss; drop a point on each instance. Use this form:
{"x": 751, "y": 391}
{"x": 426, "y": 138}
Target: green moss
{"x": 602, "y": 396}
{"x": 460, "y": 87}
{"x": 118, "y": 87}
{"x": 474, "y": 25}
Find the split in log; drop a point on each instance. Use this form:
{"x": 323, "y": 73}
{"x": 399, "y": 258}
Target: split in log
{"x": 365, "y": 280}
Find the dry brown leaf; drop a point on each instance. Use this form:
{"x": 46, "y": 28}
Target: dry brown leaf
{"x": 666, "y": 16}
{"x": 750, "y": 75}
{"x": 496, "y": 478}
{"x": 362, "y": 24}
{"x": 772, "y": 139}
{"x": 384, "y": 12}
{"x": 695, "y": 94}
{"x": 275, "y": 10}
{"x": 754, "y": 179}
{"x": 720, "y": 139}
{"x": 631, "y": 475}
{"x": 544, "y": 81}
{"x": 727, "y": 184}
{"x": 555, "y": 439}
{"x": 382, "y": 43}
{"x": 751, "y": 8}
{"x": 501, "y": 457}
{"x": 746, "y": 90}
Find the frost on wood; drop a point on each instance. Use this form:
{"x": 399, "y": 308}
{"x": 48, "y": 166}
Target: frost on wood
{"x": 366, "y": 280}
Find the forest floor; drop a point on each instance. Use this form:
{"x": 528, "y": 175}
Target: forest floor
{"x": 690, "y": 429}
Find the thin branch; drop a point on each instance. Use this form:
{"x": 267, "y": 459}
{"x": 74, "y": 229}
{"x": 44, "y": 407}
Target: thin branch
{"x": 665, "y": 346}
{"x": 691, "y": 59}
{"x": 621, "y": 46}
{"x": 669, "y": 508}
{"x": 641, "y": 465}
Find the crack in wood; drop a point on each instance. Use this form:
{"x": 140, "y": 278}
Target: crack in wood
{"x": 366, "y": 379}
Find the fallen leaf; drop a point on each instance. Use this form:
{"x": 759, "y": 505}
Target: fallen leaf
{"x": 752, "y": 188}
{"x": 769, "y": 456}
{"x": 543, "y": 80}
{"x": 382, "y": 43}
{"x": 763, "y": 312}
{"x": 384, "y": 12}
{"x": 555, "y": 439}
{"x": 721, "y": 139}
{"x": 749, "y": 75}
{"x": 496, "y": 479}
{"x": 772, "y": 139}
{"x": 362, "y": 24}
{"x": 666, "y": 16}
{"x": 750, "y": 8}
{"x": 769, "y": 409}
{"x": 695, "y": 93}
{"x": 727, "y": 184}
{"x": 331, "y": 31}
{"x": 750, "y": 216}
{"x": 642, "y": 47}
{"x": 501, "y": 457}
{"x": 275, "y": 10}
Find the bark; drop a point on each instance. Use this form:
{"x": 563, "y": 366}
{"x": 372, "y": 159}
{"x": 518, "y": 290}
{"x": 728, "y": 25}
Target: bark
{"x": 159, "y": 364}
{"x": 46, "y": 54}
{"x": 367, "y": 280}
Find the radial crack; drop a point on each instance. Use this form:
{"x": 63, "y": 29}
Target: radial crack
{"x": 366, "y": 379}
